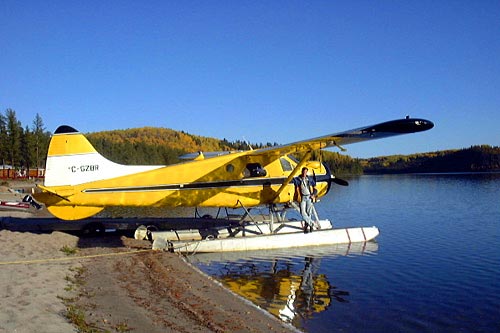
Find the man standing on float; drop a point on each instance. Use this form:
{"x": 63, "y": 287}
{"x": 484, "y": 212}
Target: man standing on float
{"x": 305, "y": 191}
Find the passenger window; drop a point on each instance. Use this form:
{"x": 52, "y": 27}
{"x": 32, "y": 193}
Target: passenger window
{"x": 285, "y": 164}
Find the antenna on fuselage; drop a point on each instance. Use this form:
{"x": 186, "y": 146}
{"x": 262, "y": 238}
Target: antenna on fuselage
{"x": 248, "y": 143}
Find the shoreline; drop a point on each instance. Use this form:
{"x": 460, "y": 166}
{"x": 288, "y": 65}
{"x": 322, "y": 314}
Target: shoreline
{"x": 141, "y": 291}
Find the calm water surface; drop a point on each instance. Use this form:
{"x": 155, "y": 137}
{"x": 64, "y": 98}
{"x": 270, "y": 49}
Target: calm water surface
{"x": 434, "y": 268}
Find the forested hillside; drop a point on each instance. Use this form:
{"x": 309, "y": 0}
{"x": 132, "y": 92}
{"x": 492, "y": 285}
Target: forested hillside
{"x": 156, "y": 146}
{"x": 474, "y": 159}
{"x": 341, "y": 165}
{"x": 150, "y": 145}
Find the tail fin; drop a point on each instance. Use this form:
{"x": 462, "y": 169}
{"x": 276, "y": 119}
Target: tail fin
{"x": 72, "y": 160}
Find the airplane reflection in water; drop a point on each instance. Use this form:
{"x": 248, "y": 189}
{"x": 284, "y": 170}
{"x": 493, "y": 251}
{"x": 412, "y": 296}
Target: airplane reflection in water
{"x": 274, "y": 281}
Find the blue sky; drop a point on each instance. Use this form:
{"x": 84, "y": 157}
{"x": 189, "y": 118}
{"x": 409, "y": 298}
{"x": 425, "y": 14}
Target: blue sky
{"x": 264, "y": 71}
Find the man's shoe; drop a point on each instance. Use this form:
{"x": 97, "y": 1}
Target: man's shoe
{"x": 306, "y": 229}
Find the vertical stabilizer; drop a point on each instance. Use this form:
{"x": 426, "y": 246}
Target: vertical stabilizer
{"x": 72, "y": 160}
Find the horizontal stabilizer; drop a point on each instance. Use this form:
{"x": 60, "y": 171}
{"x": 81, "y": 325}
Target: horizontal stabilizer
{"x": 72, "y": 213}
{"x": 61, "y": 194}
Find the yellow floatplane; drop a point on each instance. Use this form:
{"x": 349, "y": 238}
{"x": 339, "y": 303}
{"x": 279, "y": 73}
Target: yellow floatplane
{"x": 80, "y": 182}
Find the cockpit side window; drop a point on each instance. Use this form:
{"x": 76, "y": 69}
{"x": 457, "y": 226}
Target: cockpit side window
{"x": 255, "y": 170}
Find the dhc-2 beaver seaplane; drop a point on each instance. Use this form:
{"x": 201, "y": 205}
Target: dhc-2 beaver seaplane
{"x": 80, "y": 182}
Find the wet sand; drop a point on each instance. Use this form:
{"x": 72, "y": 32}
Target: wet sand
{"x": 112, "y": 283}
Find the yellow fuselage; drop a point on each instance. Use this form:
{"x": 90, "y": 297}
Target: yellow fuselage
{"x": 222, "y": 181}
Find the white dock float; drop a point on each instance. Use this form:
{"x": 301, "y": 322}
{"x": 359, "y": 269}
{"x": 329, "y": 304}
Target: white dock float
{"x": 274, "y": 241}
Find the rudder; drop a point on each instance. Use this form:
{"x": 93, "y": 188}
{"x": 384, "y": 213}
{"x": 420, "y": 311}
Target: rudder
{"x": 72, "y": 160}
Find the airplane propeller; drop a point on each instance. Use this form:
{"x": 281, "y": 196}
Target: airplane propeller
{"x": 331, "y": 179}
{"x": 339, "y": 181}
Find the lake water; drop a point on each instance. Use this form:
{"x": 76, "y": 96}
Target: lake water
{"x": 434, "y": 268}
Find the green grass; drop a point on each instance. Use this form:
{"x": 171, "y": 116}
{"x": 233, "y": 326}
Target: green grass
{"x": 74, "y": 313}
{"x": 68, "y": 250}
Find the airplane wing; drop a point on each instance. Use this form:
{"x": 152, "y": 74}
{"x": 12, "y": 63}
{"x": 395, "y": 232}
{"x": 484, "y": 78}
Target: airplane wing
{"x": 378, "y": 131}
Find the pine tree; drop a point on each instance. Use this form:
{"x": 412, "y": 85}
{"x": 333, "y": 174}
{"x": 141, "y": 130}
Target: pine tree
{"x": 3, "y": 140}
{"x": 14, "y": 131}
{"x": 40, "y": 142}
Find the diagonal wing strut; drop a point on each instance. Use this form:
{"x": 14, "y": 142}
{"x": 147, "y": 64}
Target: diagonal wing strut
{"x": 294, "y": 172}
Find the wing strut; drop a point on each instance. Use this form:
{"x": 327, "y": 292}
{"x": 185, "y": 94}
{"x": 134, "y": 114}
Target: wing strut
{"x": 293, "y": 173}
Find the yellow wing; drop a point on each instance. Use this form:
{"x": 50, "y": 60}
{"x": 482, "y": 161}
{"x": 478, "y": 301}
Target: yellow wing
{"x": 378, "y": 131}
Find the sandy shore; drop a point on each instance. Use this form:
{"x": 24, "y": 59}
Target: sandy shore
{"x": 111, "y": 283}
{"x": 29, "y": 292}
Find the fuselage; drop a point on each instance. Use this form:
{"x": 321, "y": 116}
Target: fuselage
{"x": 80, "y": 182}
{"x": 224, "y": 181}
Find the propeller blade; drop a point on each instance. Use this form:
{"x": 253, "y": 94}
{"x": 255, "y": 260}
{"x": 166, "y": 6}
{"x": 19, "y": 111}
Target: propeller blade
{"x": 329, "y": 178}
{"x": 339, "y": 181}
